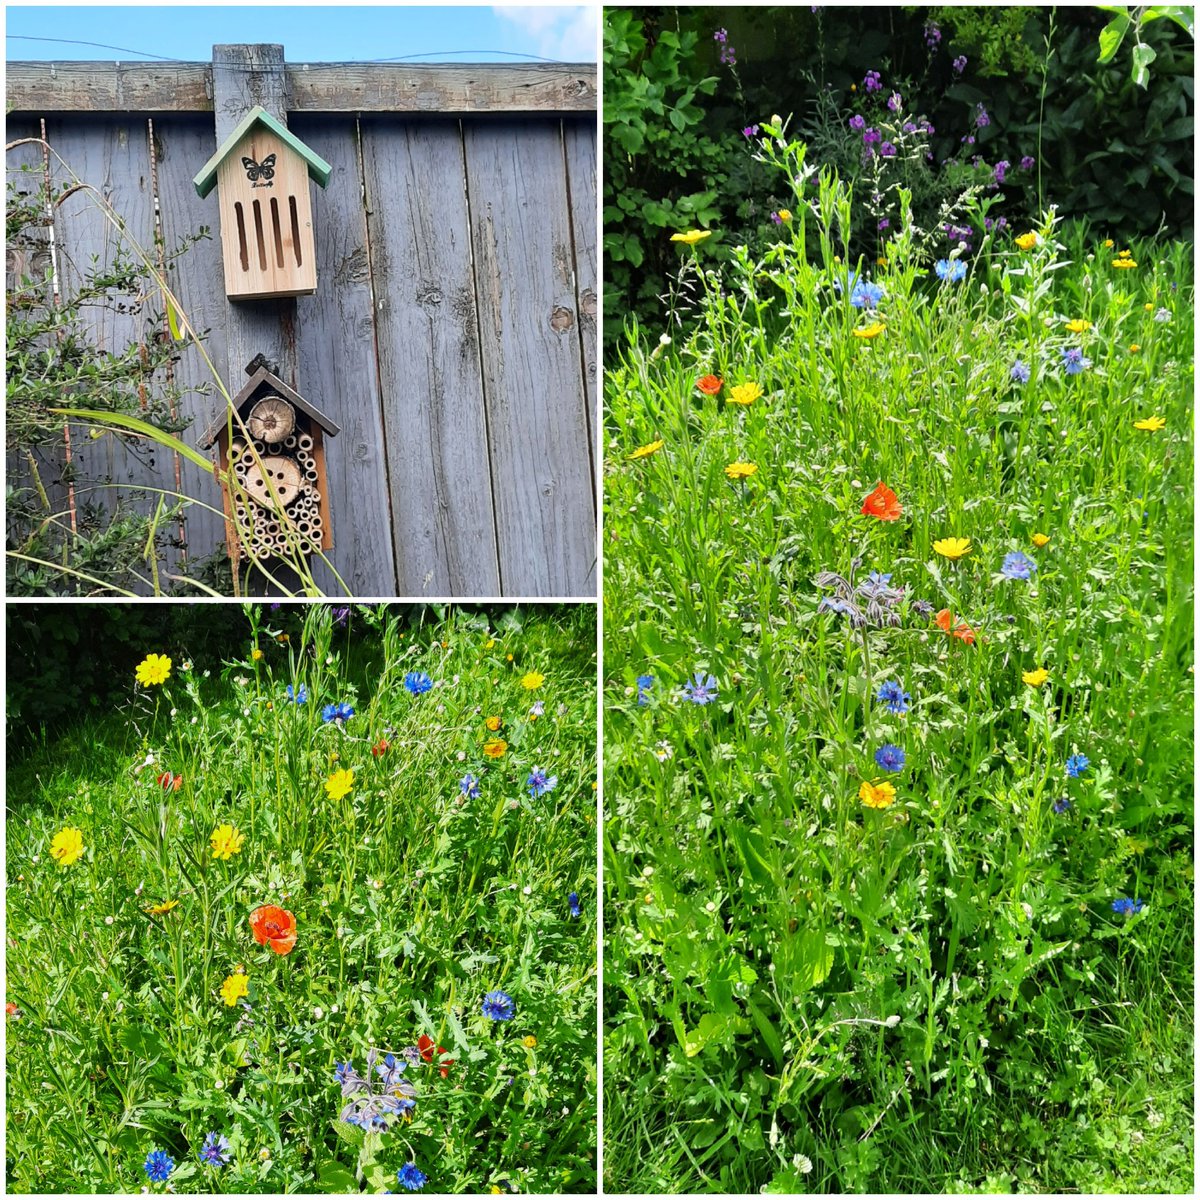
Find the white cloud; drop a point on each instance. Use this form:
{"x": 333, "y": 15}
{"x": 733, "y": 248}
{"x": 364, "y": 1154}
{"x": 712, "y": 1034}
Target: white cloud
{"x": 568, "y": 33}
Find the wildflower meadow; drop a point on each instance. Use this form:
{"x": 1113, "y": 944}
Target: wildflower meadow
{"x": 898, "y": 734}
{"x": 315, "y": 914}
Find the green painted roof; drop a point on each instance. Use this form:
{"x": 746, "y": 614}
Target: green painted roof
{"x": 318, "y": 168}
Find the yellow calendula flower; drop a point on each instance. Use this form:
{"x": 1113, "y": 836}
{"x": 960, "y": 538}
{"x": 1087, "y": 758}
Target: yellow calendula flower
{"x": 1123, "y": 262}
{"x": 870, "y": 331}
{"x": 153, "y": 669}
{"x": 692, "y": 236}
{"x": 1150, "y": 424}
{"x": 158, "y": 910}
{"x": 495, "y": 748}
{"x": 952, "y": 547}
{"x": 744, "y": 393}
{"x": 785, "y": 215}
{"x": 490, "y": 644}
{"x": 740, "y": 470}
{"x": 1134, "y": 348}
{"x": 1108, "y": 243}
{"x": 1027, "y": 241}
{"x": 1148, "y": 307}
{"x": 493, "y": 723}
{"x": 226, "y": 841}
{"x": 339, "y": 784}
{"x": 877, "y": 795}
{"x": 234, "y": 988}
{"x": 67, "y": 846}
{"x": 1035, "y": 678}
{"x": 1078, "y": 325}
{"x": 648, "y": 449}
{"x": 1040, "y": 540}
{"x": 256, "y": 654}
{"x": 497, "y": 1191}
{"x": 532, "y": 681}
{"x": 529, "y": 1041}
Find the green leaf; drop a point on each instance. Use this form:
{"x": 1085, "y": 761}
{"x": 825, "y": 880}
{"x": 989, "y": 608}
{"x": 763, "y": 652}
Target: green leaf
{"x": 334, "y": 1178}
{"x": 768, "y": 1033}
{"x": 713, "y": 1027}
{"x": 1143, "y": 56}
{"x": 136, "y": 425}
{"x": 1111, "y": 37}
{"x": 173, "y": 322}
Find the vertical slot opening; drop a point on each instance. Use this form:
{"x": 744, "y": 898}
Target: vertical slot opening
{"x": 258, "y": 233}
{"x": 275, "y": 229}
{"x": 241, "y": 224}
{"x": 296, "y": 231}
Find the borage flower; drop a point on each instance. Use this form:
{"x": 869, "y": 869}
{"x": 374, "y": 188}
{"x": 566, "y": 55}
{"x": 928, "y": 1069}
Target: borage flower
{"x": 469, "y": 786}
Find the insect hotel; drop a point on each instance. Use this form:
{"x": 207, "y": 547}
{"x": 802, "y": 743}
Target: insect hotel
{"x": 261, "y": 174}
{"x": 277, "y": 500}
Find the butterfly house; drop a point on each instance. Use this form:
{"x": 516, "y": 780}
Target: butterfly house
{"x": 273, "y": 442}
{"x": 261, "y": 174}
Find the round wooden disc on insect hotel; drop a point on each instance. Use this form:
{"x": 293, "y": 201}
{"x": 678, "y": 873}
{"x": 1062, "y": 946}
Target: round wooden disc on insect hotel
{"x": 271, "y": 419}
{"x": 284, "y": 475}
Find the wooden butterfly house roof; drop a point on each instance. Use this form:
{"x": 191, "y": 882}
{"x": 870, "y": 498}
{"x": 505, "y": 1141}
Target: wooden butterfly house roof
{"x": 318, "y": 169}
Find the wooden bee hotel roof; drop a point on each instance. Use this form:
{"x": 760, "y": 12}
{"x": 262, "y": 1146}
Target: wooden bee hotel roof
{"x": 318, "y": 169}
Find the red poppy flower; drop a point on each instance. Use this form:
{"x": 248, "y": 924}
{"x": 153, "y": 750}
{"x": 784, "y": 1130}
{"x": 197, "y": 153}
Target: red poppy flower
{"x": 425, "y": 1045}
{"x": 169, "y": 782}
{"x": 12, "y": 1010}
{"x": 710, "y": 385}
{"x": 882, "y": 503}
{"x": 274, "y": 927}
{"x": 380, "y": 747}
{"x": 962, "y": 631}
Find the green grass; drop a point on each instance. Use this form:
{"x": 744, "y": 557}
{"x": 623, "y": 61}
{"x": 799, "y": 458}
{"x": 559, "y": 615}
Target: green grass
{"x": 411, "y": 902}
{"x": 804, "y": 994}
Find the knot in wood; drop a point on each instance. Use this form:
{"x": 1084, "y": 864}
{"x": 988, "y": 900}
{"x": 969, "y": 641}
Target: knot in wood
{"x": 561, "y": 319}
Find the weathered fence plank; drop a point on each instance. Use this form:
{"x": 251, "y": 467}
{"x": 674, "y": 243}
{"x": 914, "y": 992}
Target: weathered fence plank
{"x": 453, "y": 89}
{"x": 339, "y": 369}
{"x": 579, "y": 142}
{"x": 524, "y": 274}
{"x": 428, "y": 332}
{"x": 199, "y": 284}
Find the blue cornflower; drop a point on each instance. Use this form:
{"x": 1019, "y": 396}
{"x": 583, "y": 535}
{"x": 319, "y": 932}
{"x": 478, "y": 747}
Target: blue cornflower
{"x": 1127, "y": 906}
{"x": 1074, "y": 362}
{"x": 950, "y": 270}
{"x": 215, "y": 1150}
{"x": 893, "y": 695}
{"x": 336, "y": 712}
{"x": 865, "y": 294}
{"x": 412, "y": 1177}
{"x": 297, "y": 697}
{"x": 644, "y": 684}
{"x": 499, "y": 1006}
{"x": 1017, "y": 566}
{"x": 1061, "y": 805}
{"x": 889, "y": 757}
{"x": 1020, "y": 372}
{"x": 469, "y": 786}
{"x": 417, "y": 682}
{"x": 573, "y": 904}
{"x": 158, "y": 1166}
{"x": 1076, "y": 765}
{"x": 701, "y": 690}
{"x": 539, "y": 784}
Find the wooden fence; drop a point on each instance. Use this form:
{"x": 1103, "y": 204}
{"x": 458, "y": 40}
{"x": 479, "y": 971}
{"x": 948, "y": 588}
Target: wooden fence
{"x": 453, "y": 335}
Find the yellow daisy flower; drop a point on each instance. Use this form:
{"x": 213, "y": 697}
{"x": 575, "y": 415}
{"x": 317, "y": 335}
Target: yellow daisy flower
{"x": 158, "y": 910}
{"x": 67, "y": 846}
{"x": 226, "y": 841}
{"x": 744, "y": 393}
{"x": 153, "y": 669}
{"x": 532, "y": 681}
{"x": 234, "y": 988}
{"x": 648, "y": 449}
{"x": 877, "y": 795}
{"x": 692, "y": 236}
{"x": 1027, "y": 241}
{"x": 868, "y": 332}
{"x": 256, "y": 654}
{"x": 1123, "y": 262}
{"x": 1040, "y": 540}
{"x": 1035, "y": 678}
{"x": 1134, "y": 348}
{"x": 952, "y": 547}
{"x": 740, "y": 470}
{"x": 339, "y": 784}
{"x": 529, "y": 1041}
{"x": 1078, "y": 325}
{"x": 495, "y": 747}
{"x": 493, "y": 723}
{"x": 1150, "y": 424}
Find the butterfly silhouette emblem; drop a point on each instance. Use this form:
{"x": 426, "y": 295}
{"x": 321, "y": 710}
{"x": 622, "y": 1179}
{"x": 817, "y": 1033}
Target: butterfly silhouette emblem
{"x": 263, "y": 170}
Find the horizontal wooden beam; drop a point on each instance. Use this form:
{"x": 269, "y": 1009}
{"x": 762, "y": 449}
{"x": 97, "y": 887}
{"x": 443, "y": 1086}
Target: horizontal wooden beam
{"x": 45, "y": 88}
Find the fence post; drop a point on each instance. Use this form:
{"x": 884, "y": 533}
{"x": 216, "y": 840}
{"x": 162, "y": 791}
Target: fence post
{"x": 243, "y": 76}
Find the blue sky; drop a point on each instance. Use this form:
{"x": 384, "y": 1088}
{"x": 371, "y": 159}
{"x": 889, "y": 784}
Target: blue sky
{"x": 308, "y": 33}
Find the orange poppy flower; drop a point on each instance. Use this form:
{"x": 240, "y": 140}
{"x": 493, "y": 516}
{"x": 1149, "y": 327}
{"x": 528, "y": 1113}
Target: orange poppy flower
{"x": 425, "y": 1045}
{"x": 710, "y": 385}
{"x": 962, "y": 631}
{"x": 380, "y": 747}
{"x": 882, "y": 503}
{"x": 274, "y": 927}
{"x": 169, "y": 782}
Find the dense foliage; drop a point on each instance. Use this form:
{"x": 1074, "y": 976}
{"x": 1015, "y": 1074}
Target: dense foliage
{"x": 233, "y": 898}
{"x": 898, "y": 739}
{"x": 1023, "y": 84}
